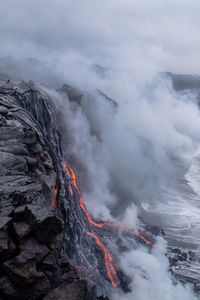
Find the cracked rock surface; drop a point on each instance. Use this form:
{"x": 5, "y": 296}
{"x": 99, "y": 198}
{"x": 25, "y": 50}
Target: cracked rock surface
{"x": 32, "y": 262}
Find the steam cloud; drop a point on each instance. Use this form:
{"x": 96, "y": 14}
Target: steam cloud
{"x": 118, "y": 47}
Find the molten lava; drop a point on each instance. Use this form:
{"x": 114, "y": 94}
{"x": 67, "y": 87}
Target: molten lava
{"x": 108, "y": 259}
{"x": 70, "y": 190}
{"x": 54, "y": 200}
{"x": 67, "y": 171}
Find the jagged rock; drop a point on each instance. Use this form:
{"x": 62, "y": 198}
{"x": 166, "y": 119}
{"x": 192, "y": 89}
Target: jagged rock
{"x": 19, "y": 214}
{"x": 15, "y": 149}
{"x": 15, "y": 164}
{"x": 29, "y": 137}
{"x": 38, "y": 250}
{"x": 176, "y": 250}
{"x": 7, "y": 246}
{"x": 45, "y": 224}
{"x": 22, "y": 269}
{"x": 109, "y": 99}
{"x": 8, "y": 289}
{"x": 36, "y": 291}
{"x": 197, "y": 287}
{"x": 183, "y": 257}
{"x": 3, "y": 110}
{"x": 5, "y": 251}
{"x": 4, "y": 221}
{"x": 65, "y": 264}
{"x": 31, "y": 161}
{"x": 36, "y": 148}
{"x": 50, "y": 262}
{"x": 74, "y": 94}
{"x": 21, "y": 229}
{"x": 6, "y": 210}
{"x": 70, "y": 276}
{"x": 73, "y": 291}
{"x": 18, "y": 184}
{"x": 184, "y": 81}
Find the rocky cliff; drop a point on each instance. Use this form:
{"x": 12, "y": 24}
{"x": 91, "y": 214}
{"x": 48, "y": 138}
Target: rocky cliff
{"x": 39, "y": 223}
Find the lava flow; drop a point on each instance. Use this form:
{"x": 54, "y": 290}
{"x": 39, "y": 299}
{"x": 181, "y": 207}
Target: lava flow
{"x": 72, "y": 175}
{"x": 108, "y": 259}
{"x": 70, "y": 190}
{"x": 54, "y": 200}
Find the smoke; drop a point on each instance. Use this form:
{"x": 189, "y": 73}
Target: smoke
{"x": 123, "y": 155}
{"x": 151, "y": 277}
{"x": 130, "y": 154}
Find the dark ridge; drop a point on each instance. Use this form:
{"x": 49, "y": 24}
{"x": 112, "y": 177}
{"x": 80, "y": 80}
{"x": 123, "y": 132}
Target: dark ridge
{"x": 185, "y": 82}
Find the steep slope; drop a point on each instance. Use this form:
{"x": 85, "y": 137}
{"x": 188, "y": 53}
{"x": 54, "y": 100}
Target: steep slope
{"x": 38, "y": 217}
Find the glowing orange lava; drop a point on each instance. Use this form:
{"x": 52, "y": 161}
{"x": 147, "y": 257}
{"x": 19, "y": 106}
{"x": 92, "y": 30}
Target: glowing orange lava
{"x": 70, "y": 190}
{"x": 108, "y": 261}
{"x": 67, "y": 171}
{"x": 54, "y": 200}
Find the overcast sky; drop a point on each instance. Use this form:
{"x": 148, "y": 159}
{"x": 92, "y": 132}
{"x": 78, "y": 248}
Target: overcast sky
{"x": 164, "y": 33}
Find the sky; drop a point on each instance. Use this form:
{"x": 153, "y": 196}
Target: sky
{"x": 162, "y": 34}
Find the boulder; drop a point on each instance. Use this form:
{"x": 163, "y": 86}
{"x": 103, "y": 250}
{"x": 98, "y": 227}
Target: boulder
{"x": 38, "y": 250}
{"x": 46, "y": 225}
{"x": 8, "y": 289}
{"x": 73, "y": 291}
{"x": 7, "y": 246}
{"x": 22, "y": 269}
{"x": 21, "y": 229}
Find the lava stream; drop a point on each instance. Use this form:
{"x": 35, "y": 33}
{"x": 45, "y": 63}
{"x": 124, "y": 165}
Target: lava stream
{"x": 70, "y": 190}
{"x": 72, "y": 175}
{"x": 54, "y": 200}
{"x": 108, "y": 261}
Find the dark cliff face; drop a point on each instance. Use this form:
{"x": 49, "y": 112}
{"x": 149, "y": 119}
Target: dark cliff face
{"x": 185, "y": 82}
{"x": 39, "y": 218}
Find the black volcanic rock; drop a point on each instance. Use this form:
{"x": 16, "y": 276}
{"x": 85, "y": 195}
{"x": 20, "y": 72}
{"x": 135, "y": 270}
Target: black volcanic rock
{"x": 185, "y": 81}
{"x": 74, "y": 94}
{"x": 21, "y": 229}
{"x": 33, "y": 232}
{"x": 37, "y": 249}
{"x": 8, "y": 289}
{"x": 22, "y": 269}
{"x": 68, "y": 292}
{"x": 7, "y": 246}
{"x": 45, "y": 224}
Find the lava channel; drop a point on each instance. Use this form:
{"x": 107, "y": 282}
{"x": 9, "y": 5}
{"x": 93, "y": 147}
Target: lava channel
{"x": 54, "y": 200}
{"x": 108, "y": 259}
{"x": 101, "y": 225}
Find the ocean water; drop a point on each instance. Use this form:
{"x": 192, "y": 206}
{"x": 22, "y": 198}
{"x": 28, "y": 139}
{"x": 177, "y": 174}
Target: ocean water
{"x": 177, "y": 212}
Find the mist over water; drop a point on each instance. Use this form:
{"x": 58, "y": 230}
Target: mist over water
{"x": 126, "y": 157}
{"x": 124, "y": 166}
